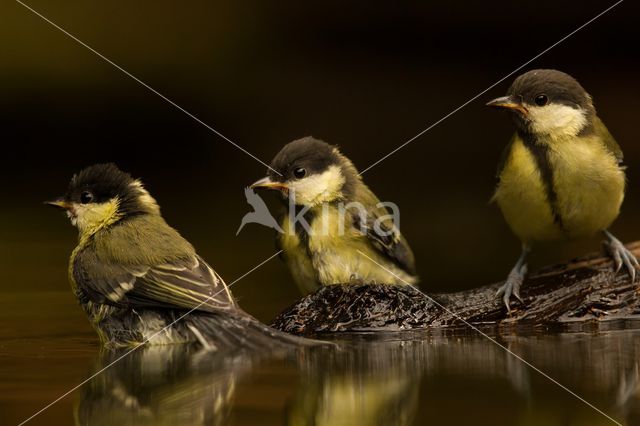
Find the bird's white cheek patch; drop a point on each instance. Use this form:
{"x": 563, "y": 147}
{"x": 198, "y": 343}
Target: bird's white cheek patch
{"x": 71, "y": 214}
{"x": 557, "y": 120}
{"x": 88, "y": 217}
{"x": 317, "y": 189}
{"x": 76, "y": 215}
{"x": 145, "y": 198}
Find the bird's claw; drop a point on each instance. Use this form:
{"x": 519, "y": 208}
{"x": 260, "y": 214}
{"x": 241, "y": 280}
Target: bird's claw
{"x": 511, "y": 286}
{"x": 622, "y": 256}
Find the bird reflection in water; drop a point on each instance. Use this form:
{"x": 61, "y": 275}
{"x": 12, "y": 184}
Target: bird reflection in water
{"x": 162, "y": 385}
{"x": 374, "y": 379}
{"x": 377, "y": 380}
{"x": 628, "y": 396}
{"x": 368, "y": 383}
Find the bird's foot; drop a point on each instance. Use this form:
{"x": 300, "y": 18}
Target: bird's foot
{"x": 621, "y": 255}
{"x": 511, "y": 286}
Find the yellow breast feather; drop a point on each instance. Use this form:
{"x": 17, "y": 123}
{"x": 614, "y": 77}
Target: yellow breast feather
{"x": 522, "y": 197}
{"x": 589, "y": 184}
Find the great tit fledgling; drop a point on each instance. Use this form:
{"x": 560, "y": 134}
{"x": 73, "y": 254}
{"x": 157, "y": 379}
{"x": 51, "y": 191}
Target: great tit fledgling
{"x": 344, "y": 218}
{"x": 133, "y": 274}
{"x": 561, "y": 176}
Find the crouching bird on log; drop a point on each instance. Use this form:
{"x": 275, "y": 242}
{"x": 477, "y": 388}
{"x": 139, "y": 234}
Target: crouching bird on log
{"x": 139, "y": 281}
{"x": 335, "y": 230}
{"x": 561, "y": 176}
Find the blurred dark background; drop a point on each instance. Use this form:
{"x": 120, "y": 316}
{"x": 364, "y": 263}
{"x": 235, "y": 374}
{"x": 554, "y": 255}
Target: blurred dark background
{"x": 366, "y": 76}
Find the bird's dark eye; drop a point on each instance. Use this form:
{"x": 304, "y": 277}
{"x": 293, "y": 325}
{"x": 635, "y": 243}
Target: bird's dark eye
{"x": 541, "y": 100}
{"x": 299, "y": 172}
{"x": 86, "y": 197}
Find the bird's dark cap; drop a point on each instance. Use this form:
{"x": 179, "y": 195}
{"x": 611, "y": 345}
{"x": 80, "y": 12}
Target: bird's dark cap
{"x": 312, "y": 154}
{"x": 558, "y": 86}
{"x": 105, "y": 182}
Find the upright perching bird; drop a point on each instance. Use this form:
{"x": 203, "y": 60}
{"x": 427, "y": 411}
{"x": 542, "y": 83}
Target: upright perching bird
{"x": 336, "y": 230}
{"x": 561, "y": 176}
{"x": 139, "y": 281}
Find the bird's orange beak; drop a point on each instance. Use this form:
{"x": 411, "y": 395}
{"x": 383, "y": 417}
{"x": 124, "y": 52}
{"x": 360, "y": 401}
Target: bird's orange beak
{"x": 508, "y": 102}
{"x": 267, "y": 183}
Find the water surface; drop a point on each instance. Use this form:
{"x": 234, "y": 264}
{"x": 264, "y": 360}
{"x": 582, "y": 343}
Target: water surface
{"x": 47, "y": 347}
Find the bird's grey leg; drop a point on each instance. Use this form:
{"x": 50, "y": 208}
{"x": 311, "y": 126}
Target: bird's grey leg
{"x": 512, "y": 285}
{"x": 621, "y": 255}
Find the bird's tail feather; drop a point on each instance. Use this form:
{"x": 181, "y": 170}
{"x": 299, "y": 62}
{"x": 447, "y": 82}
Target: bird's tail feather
{"x": 239, "y": 330}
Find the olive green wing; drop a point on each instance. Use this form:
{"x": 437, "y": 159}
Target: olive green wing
{"x": 610, "y": 143}
{"x": 182, "y": 283}
{"x": 376, "y": 223}
{"x": 390, "y": 242}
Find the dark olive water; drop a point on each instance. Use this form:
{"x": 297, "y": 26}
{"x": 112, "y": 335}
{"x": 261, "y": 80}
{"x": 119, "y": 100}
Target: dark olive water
{"x": 460, "y": 378}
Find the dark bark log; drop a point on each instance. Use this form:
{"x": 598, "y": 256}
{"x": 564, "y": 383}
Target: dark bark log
{"x": 583, "y": 291}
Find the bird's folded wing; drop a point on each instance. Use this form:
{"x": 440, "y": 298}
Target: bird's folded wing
{"x": 609, "y": 142}
{"x": 386, "y": 238}
{"x": 183, "y": 283}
